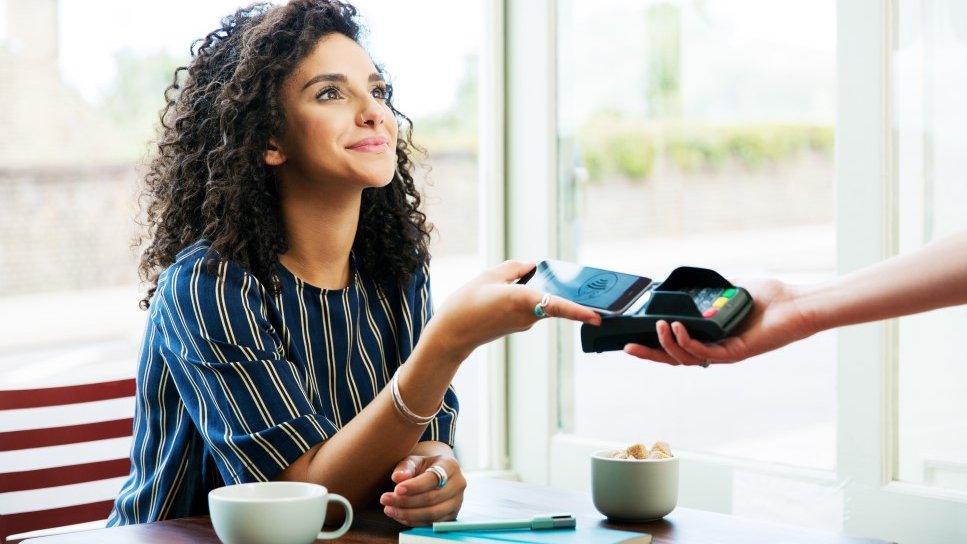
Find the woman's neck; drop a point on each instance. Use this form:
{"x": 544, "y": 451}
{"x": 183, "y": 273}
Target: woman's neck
{"x": 320, "y": 227}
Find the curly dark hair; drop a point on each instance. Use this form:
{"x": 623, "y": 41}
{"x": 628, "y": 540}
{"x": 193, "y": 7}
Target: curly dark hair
{"x": 208, "y": 180}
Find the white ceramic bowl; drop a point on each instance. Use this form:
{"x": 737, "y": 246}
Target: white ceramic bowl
{"x": 633, "y": 489}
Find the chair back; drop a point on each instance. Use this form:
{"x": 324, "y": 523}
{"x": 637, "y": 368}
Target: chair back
{"x": 40, "y": 455}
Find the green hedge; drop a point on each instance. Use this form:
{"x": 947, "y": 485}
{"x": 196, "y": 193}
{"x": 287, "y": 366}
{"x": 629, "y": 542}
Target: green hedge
{"x": 632, "y": 151}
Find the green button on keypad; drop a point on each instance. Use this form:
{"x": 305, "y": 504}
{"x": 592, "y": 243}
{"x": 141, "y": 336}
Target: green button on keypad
{"x": 729, "y": 293}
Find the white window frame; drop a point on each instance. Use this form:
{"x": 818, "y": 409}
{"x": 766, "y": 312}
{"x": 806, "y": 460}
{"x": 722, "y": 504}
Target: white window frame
{"x": 531, "y": 189}
{"x": 492, "y": 433}
{"x": 875, "y": 505}
{"x": 879, "y": 505}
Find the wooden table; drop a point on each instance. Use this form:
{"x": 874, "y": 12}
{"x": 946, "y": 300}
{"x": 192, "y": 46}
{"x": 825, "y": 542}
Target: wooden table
{"x": 487, "y": 498}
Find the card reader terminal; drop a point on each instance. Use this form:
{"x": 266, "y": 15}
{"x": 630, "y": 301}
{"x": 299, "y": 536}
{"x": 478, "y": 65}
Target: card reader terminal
{"x": 702, "y": 300}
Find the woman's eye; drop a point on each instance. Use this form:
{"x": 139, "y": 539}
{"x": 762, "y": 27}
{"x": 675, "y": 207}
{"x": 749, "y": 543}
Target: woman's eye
{"x": 381, "y": 93}
{"x": 330, "y": 93}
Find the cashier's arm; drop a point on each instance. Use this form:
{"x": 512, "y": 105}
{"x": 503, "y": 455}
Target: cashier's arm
{"x": 935, "y": 276}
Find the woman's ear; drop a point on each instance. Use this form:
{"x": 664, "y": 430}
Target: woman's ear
{"x": 273, "y": 153}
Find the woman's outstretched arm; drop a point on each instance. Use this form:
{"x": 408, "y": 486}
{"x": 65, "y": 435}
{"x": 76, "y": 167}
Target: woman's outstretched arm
{"x": 359, "y": 459}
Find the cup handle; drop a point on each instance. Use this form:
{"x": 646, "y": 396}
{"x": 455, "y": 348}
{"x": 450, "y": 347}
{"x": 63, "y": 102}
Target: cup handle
{"x": 328, "y": 535}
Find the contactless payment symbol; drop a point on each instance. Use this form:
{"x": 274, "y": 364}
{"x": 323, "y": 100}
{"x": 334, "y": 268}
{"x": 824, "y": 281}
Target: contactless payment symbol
{"x": 598, "y": 284}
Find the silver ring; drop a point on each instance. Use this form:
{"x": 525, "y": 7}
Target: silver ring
{"x": 706, "y": 363}
{"x": 441, "y": 475}
{"x": 540, "y": 308}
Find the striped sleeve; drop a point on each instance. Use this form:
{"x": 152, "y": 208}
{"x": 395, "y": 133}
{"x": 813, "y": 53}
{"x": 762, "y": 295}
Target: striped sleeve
{"x": 443, "y": 427}
{"x": 226, "y": 360}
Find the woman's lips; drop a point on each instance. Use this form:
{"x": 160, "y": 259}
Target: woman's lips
{"x": 369, "y": 145}
{"x": 369, "y": 148}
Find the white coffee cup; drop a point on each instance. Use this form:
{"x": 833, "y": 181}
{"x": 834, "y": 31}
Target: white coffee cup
{"x": 274, "y": 513}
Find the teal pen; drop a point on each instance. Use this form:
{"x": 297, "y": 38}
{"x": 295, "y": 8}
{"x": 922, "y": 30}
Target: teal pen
{"x": 559, "y": 521}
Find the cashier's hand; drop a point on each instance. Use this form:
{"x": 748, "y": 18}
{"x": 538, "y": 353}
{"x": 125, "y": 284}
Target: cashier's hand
{"x": 777, "y": 319}
{"x": 416, "y": 499}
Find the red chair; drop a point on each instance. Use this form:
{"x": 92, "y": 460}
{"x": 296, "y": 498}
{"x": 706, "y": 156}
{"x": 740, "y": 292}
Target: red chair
{"x": 22, "y": 522}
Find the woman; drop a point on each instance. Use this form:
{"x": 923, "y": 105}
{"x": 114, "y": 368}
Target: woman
{"x": 289, "y": 333}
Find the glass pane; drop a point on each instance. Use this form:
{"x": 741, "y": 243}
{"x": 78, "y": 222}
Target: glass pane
{"x": 930, "y": 70}
{"x": 704, "y": 138}
{"x": 441, "y": 99}
{"x": 82, "y": 83}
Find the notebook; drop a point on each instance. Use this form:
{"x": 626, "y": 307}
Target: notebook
{"x": 581, "y": 535}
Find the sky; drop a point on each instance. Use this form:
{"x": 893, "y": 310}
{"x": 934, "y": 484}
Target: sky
{"x": 736, "y": 53}
{"x": 422, "y": 43}
{"x": 741, "y": 60}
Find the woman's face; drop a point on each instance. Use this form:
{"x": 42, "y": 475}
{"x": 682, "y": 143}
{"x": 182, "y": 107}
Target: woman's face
{"x": 339, "y": 127}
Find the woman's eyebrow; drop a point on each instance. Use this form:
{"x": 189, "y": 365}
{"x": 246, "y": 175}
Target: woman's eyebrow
{"x": 339, "y": 78}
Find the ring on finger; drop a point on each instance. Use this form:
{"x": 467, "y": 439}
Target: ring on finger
{"x": 540, "y": 309}
{"x": 706, "y": 362}
{"x": 441, "y": 475}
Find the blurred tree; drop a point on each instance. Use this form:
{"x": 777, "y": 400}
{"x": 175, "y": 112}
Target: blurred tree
{"x": 134, "y": 100}
{"x": 454, "y": 129}
{"x": 663, "y": 86}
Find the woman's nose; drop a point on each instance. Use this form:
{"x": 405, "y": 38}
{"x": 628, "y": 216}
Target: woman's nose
{"x": 372, "y": 114}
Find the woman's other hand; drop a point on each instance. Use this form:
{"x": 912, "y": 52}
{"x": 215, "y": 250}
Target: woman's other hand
{"x": 417, "y": 498}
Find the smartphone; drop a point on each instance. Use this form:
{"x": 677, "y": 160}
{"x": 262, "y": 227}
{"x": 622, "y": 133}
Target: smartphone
{"x": 605, "y": 291}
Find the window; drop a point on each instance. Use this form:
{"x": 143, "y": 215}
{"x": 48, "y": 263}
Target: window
{"x": 855, "y": 376}
{"x": 81, "y": 87}
{"x": 438, "y": 88}
{"x": 930, "y": 79}
{"x": 701, "y": 133}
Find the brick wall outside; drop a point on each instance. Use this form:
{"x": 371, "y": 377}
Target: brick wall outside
{"x": 71, "y": 228}
{"x": 66, "y": 228}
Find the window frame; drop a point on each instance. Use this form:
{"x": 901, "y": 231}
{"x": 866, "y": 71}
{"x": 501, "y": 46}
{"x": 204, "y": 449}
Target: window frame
{"x": 541, "y": 450}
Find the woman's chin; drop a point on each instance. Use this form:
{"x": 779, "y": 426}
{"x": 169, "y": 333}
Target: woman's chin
{"x": 372, "y": 169}
{"x": 375, "y": 179}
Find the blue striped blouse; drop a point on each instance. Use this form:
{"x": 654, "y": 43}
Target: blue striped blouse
{"x": 235, "y": 383}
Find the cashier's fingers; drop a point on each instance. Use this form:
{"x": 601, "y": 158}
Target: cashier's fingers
{"x": 713, "y": 353}
{"x": 652, "y": 354}
{"x": 670, "y": 345}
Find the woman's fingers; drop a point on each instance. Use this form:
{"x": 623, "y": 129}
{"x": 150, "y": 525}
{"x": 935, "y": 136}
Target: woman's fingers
{"x": 420, "y": 500}
{"x": 445, "y": 511}
{"x": 559, "y": 307}
{"x": 511, "y": 270}
{"x": 416, "y": 501}
{"x": 429, "y": 498}
{"x": 427, "y": 481}
{"x": 406, "y": 469}
{"x": 419, "y": 484}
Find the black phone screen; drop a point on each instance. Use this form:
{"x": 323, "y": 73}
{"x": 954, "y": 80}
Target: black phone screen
{"x": 592, "y": 287}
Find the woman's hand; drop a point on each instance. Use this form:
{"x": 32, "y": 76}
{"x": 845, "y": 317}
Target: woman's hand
{"x": 492, "y": 305}
{"x": 416, "y": 499}
{"x": 777, "y": 318}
